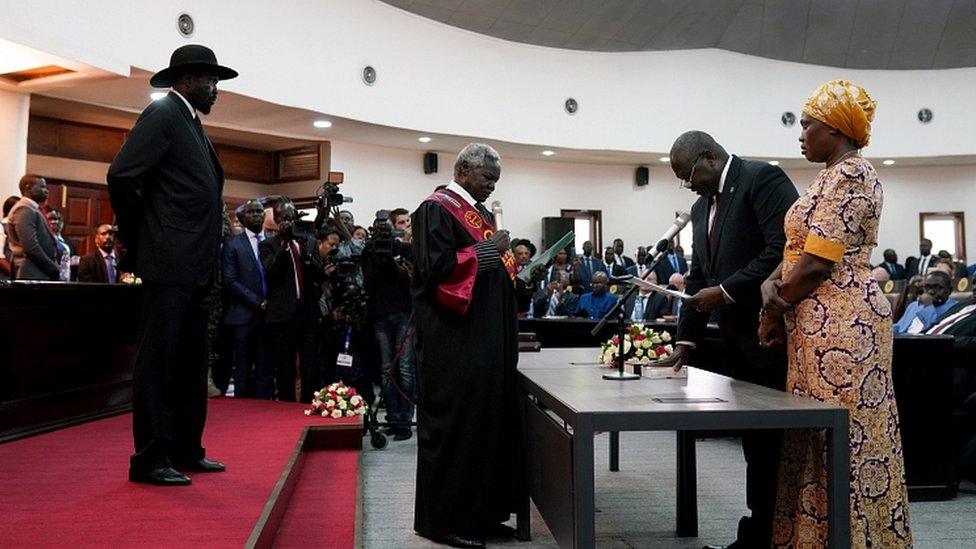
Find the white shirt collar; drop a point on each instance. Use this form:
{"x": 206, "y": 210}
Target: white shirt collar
{"x": 725, "y": 173}
{"x": 462, "y": 192}
{"x": 104, "y": 255}
{"x": 251, "y": 235}
{"x": 193, "y": 112}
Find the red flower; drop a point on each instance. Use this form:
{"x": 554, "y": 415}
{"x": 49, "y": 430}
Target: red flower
{"x": 660, "y": 350}
{"x": 639, "y": 337}
{"x": 616, "y": 340}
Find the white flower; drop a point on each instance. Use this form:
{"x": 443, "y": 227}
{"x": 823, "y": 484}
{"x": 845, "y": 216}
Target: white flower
{"x": 639, "y": 353}
{"x": 316, "y": 394}
{"x": 337, "y": 413}
{"x": 343, "y": 405}
{"x": 645, "y": 360}
{"x": 656, "y": 340}
{"x": 668, "y": 348}
{"x": 308, "y": 412}
{"x": 627, "y": 346}
{"x": 350, "y": 413}
{"x": 330, "y": 403}
{"x": 325, "y": 413}
{"x": 646, "y": 343}
{"x": 361, "y": 411}
{"x": 355, "y": 400}
{"x": 665, "y": 337}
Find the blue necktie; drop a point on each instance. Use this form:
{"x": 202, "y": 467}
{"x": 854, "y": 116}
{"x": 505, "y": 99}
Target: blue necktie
{"x": 110, "y": 268}
{"x": 264, "y": 285}
{"x": 674, "y": 262}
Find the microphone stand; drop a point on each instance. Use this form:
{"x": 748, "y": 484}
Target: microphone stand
{"x": 618, "y": 311}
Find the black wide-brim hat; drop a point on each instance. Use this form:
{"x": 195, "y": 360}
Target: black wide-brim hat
{"x": 192, "y": 57}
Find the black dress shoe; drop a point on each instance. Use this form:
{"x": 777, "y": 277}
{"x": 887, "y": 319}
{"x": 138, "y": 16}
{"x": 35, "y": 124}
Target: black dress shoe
{"x": 203, "y": 465}
{"x": 454, "y": 540}
{"x": 403, "y": 434}
{"x": 162, "y": 476}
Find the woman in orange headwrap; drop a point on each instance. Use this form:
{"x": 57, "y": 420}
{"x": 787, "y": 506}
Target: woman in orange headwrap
{"x": 837, "y": 326}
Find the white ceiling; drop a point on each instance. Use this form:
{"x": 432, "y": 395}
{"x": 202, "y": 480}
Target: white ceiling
{"x": 247, "y": 122}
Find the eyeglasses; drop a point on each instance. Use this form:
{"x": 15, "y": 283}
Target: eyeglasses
{"x": 686, "y": 183}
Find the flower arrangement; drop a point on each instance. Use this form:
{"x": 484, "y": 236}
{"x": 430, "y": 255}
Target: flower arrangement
{"x": 642, "y": 345}
{"x": 336, "y": 401}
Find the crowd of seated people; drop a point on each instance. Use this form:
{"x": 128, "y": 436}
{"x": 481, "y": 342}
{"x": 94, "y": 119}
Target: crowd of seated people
{"x": 585, "y": 286}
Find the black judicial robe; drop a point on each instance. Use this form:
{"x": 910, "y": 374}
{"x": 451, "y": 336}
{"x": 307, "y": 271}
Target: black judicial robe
{"x": 469, "y": 447}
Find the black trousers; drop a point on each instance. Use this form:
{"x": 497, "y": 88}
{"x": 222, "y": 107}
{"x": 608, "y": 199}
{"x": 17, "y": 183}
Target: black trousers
{"x": 169, "y": 400}
{"x": 761, "y": 448}
{"x": 251, "y": 358}
{"x": 286, "y": 340}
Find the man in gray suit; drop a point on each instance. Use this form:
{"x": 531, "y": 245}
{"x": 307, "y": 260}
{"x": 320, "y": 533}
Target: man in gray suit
{"x": 31, "y": 240}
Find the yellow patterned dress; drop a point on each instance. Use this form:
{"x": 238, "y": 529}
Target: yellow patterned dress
{"x": 839, "y": 344}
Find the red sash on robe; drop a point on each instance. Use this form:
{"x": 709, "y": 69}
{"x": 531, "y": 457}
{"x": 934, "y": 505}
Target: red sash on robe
{"x": 455, "y": 292}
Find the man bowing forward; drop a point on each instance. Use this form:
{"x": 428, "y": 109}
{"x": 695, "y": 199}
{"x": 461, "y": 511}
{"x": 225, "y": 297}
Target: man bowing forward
{"x": 469, "y": 455}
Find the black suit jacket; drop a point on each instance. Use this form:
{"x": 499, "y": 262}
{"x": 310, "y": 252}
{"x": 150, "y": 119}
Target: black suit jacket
{"x": 165, "y": 186}
{"x": 91, "y": 268}
{"x": 241, "y": 273}
{"x": 655, "y": 306}
{"x": 896, "y": 272}
{"x": 279, "y": 272}
{"x": 664, "y": 269}
{"x": 749, "y": 246}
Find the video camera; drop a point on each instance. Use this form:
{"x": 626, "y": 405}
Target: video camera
{"x": 383, "y": 236}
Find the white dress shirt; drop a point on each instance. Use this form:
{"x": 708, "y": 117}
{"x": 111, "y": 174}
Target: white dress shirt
{"x": 193, "y": 112}
{"x": 463, "y": 193}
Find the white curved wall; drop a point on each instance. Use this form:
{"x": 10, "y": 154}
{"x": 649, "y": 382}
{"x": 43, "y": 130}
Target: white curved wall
{"x": 435, "y": 78}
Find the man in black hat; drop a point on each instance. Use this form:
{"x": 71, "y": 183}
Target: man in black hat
{"x": 165, "y": 186}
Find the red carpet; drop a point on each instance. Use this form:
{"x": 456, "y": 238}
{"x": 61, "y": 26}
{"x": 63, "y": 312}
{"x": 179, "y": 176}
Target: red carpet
{"x": 322, "y": 506}
{"x": 70, "y": 487}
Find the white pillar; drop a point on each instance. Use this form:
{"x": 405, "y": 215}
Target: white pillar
{"x": 14, "y": 113}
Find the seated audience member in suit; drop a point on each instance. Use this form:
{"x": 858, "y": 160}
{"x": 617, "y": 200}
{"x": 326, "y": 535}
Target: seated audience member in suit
{"x": 676, "y": 282}
{"x": 621, "y": 263}
{"x": 920, "y": 265}
{"x": 245, "y": 302}
{"x": 554, "y": 299}
{"x": 880, "y": 274}
{"x": 32, "y": 244}
{"x": 585, "y": 265}
{"x": 643, "y": 259}
{"x": 100, "y": 265}
{"x": 65, "y": 244}
{"x": 958, "y": 268}
{"x": 921, "y": 314}
{"x": 291, "y": 314}
{"x": 645, "y": 305}
{"x": 890, "y": 264}
{"x": 598, "y": 301}
{"x": 673, "y": 262}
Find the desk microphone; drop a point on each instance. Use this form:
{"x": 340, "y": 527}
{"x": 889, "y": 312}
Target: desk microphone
{"x": 675, "y": 228}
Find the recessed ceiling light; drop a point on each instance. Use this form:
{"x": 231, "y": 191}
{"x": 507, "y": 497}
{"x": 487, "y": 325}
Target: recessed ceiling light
{"x": 156, "y": 96}
{"x": 774, "y": 162}
{"x": 322, "y": 124}
{"x": 548, "y": 153}
{"x": 665, "y": 159}
{"x": 888, "y": 162}
{"x": 424, "y": 139}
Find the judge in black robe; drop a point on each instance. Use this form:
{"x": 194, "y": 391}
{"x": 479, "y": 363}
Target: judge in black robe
{"x": 469, "y": 457}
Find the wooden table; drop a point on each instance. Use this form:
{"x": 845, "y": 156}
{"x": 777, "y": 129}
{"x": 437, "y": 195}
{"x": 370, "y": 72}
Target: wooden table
{"x": 567, "y": 401}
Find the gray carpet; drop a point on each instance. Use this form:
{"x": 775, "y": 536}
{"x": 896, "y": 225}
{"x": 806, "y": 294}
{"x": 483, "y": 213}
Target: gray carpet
{"x": 635, "y": 505}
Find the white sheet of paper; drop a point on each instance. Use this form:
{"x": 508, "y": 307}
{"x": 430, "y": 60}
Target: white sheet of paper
{"x": 641, "y": 283}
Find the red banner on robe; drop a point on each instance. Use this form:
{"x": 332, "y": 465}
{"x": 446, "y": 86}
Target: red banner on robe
{"x": 455, "y": 292}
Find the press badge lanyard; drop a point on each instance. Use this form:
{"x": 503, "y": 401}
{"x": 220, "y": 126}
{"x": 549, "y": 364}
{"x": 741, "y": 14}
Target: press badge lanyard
{"x": 345, "y": 359}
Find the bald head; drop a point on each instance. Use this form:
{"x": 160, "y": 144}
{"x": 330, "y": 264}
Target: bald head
{"x": 698, "y": 161}
{"x": 692, "y": 143}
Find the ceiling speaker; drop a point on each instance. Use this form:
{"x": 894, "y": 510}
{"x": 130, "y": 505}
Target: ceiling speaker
{"x": 924, "y": 116}
{"x": 184, "y": 24}
{"x": 430, "y": 163}
{"x": 643, "y": 176}
{"x": 788, "y": 119}
{"x": 369, "y": 75}
{"x": 571, "y": 106}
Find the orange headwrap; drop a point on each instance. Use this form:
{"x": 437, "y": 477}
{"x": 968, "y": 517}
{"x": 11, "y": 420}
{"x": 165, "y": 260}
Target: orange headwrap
{"x": 844, "y": 106}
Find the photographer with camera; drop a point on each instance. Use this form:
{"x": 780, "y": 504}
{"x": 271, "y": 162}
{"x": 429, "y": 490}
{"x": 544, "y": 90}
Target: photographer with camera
{"x": 386, "y": 271}
{"x": 292, "y": 312}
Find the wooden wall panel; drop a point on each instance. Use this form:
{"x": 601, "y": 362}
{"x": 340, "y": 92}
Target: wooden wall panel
{"x": 75, "y": 140}
{"x": 246, "y": 164}
{"x": 298, "y": 164}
